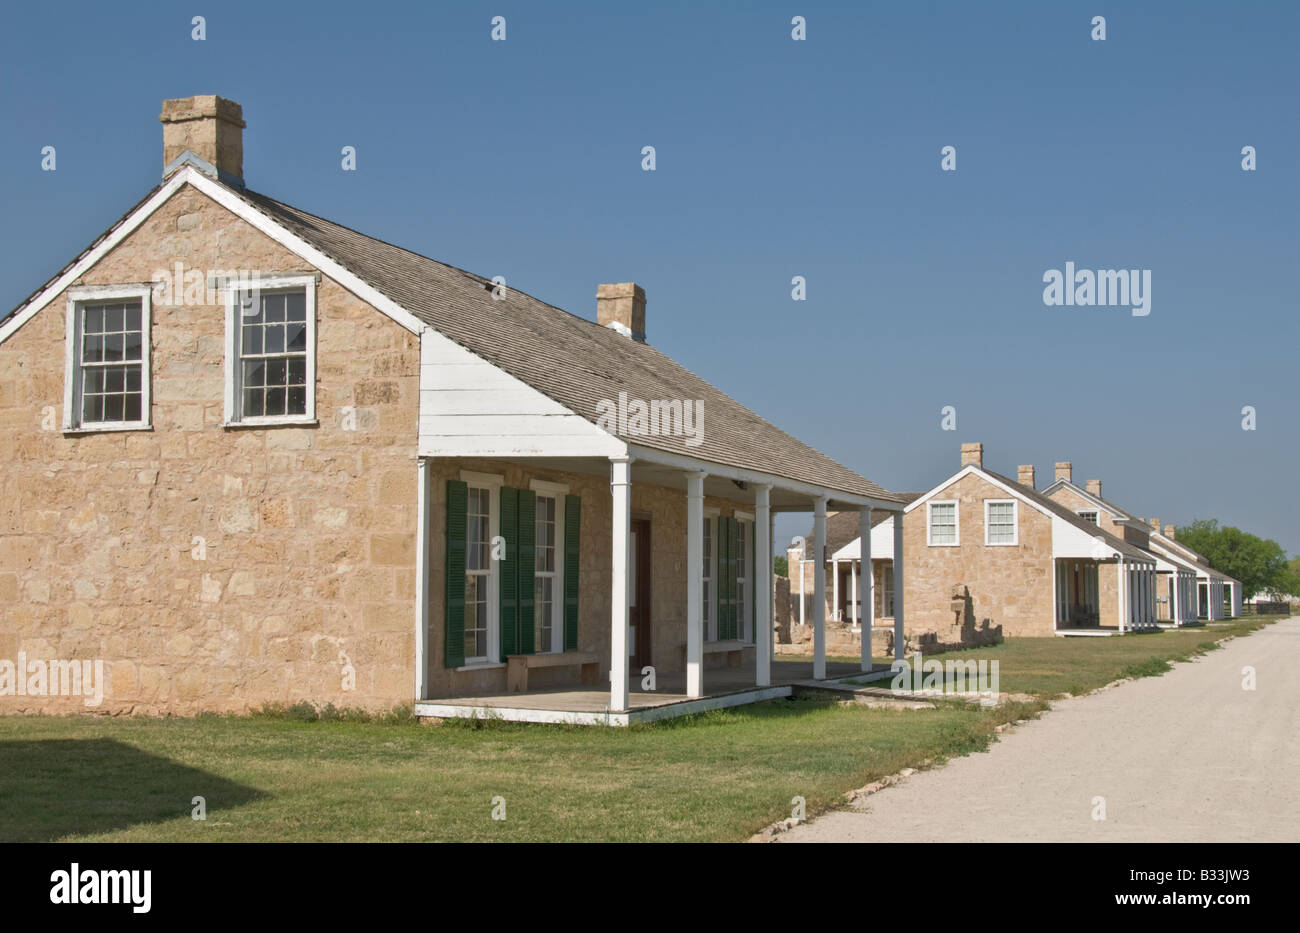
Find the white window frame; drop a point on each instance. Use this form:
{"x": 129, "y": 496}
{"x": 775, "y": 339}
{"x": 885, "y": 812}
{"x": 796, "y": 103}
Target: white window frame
{"x": 1015, "y": 523}
{"x": 493, "y": 483}
{"x": 1096, "y": 516}
{"x": 234, "y": 387}
{"x": 956, "y": 523}
{"x": 709, "y": 597}
{"x": 556, "y": 491}
{"x": 744, "y": 623}
{"x": 96, "y": 294}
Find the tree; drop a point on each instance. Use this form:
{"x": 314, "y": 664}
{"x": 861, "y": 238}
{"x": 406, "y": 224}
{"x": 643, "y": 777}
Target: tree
{"x": 781, "y": 566}
{"x": 1259, "y": 563}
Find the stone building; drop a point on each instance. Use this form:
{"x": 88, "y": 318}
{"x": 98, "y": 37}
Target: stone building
{"x": 253, "y": 456}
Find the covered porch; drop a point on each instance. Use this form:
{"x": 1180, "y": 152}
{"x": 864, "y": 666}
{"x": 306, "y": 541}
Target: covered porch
{"x": 675, "y": 609}
{"x": 1098, "y": 590}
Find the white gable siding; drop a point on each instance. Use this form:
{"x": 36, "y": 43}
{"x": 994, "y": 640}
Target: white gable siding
{"x": 470, "y": 408}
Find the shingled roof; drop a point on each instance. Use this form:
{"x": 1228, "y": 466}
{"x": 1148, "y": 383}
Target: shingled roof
{"x": 570, "y": 359}
{"x": 842, "y": 527}
{"x": 1033, "y": 495}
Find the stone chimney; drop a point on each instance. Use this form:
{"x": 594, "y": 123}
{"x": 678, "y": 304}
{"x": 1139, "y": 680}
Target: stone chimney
{"x": 972, "y": 455}
{"x": 1169, "y": 532}
{"x": 1025, "y": 475}
{"x": 621, "y": 307}
{"x": 1094, "y": 487}
{"x": 1064, "y": 471}
{"x": 211, "y": 128}
{"x": 1155, "y": 525}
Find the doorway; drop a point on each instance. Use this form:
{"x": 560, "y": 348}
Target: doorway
{"x": 639, "y": 624}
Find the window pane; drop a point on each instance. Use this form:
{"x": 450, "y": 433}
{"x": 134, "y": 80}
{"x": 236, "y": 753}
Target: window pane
{"x": 92, "y": 349}
{"x": 295, "y": 306}
{"x": 133, "y": 403}
{"x": 114, "y": 345}
{"x": 254, "y": 402}
{"x": 112, "y": 408}
{"x": 275, "y": 401}
{"x": 133, "y": 379}
{"x": 273, "y": 307}
{"x": 297, "y": 336}
{"x": 274, "y": 339}
{"x": 275, "y": 370}
{"x": 92, "y": 380}
{"x": 297, "y": 371}
{"x": 92, "y": 408}
{"x": 252, "y": 343}
{"x": 113, "y": 317}
{"x": 94, "y": 320}
{"x": 133, "y": 317}
{"x": 254, "y": 373}
{"x": 297, "y": 403}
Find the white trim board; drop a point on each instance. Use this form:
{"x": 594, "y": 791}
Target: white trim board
{"x": 125, "y": 228}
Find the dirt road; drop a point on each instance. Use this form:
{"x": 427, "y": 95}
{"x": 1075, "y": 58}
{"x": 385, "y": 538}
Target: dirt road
{"x": 1188, "y": 756}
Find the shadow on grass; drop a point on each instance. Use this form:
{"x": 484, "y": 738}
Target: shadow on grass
{"x": 61, "y": 787}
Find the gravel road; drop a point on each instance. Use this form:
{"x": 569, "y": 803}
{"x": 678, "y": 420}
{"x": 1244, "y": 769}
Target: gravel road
{"x": 1186, "y": 757}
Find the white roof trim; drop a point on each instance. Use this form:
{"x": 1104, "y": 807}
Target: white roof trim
{"x": 966, "y": 471}
{"x": 1114, "y": 511}
{"x": 115, "y": 236}
{"x": 295, "y": 244}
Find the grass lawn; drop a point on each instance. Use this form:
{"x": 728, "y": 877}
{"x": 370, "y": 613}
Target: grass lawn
{"x": 717, "y": 776}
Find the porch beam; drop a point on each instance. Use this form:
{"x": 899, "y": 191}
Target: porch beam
{"x": 763, "y": 621}
{"x": 867, "y": 617}
{"x": 819, "y": 589}
{"x": 620, "y": 488}
{"x": 695, "y": 584}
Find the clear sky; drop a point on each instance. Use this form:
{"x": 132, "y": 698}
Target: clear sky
{"x": 776, "y": 158}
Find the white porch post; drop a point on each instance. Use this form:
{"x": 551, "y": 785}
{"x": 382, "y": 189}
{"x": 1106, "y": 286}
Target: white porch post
{"x": 1175, "y": 615}
{"x": 424, "y": 524}
{"x": 1119, "y": 590}
{"x": 819, "y": 589}
{"x": 763, "y": 621}
{"x": 695, "y": 584}
{"x": 867, "y": 617}
{"x": 898, "y": 585}
{"x": 835, "y": 590}
{"x": 620, "y": 488}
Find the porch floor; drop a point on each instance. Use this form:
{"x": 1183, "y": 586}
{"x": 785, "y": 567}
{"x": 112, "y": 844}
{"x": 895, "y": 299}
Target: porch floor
{"x": 723, "y": 687}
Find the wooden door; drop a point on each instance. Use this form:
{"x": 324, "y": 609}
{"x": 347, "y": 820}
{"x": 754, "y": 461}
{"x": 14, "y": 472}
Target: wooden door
{"x": 638, "y": 642}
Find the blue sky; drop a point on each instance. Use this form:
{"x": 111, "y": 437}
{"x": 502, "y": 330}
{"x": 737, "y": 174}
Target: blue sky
{"x": 776, "y": 158}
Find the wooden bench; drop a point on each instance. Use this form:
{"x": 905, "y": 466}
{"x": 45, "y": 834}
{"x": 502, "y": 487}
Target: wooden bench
{"x": 518, "y": 666}
{"x": 733, "y": 651}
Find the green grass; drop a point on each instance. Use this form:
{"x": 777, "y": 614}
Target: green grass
{"x": 1048, "y": 667}
{"x": 718, "y": 776}
{"x": 291, "y": 774}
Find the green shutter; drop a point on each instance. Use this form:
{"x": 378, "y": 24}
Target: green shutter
{"x": 454, "y": 609}
{"x": 508, "y": 572}
{"x": 753, "y": 583}
{"x": 527, "y": 555}
{"x": 572, "y": 521}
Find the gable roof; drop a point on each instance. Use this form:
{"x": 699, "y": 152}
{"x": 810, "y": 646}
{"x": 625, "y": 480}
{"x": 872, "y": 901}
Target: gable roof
{"x": 571, "y": 360}
{"x": 1043, "y": 504}
{"x": 1176, "y": 549}
{"x": 842, "y": 527}
{"x": 1096, "y": 500}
